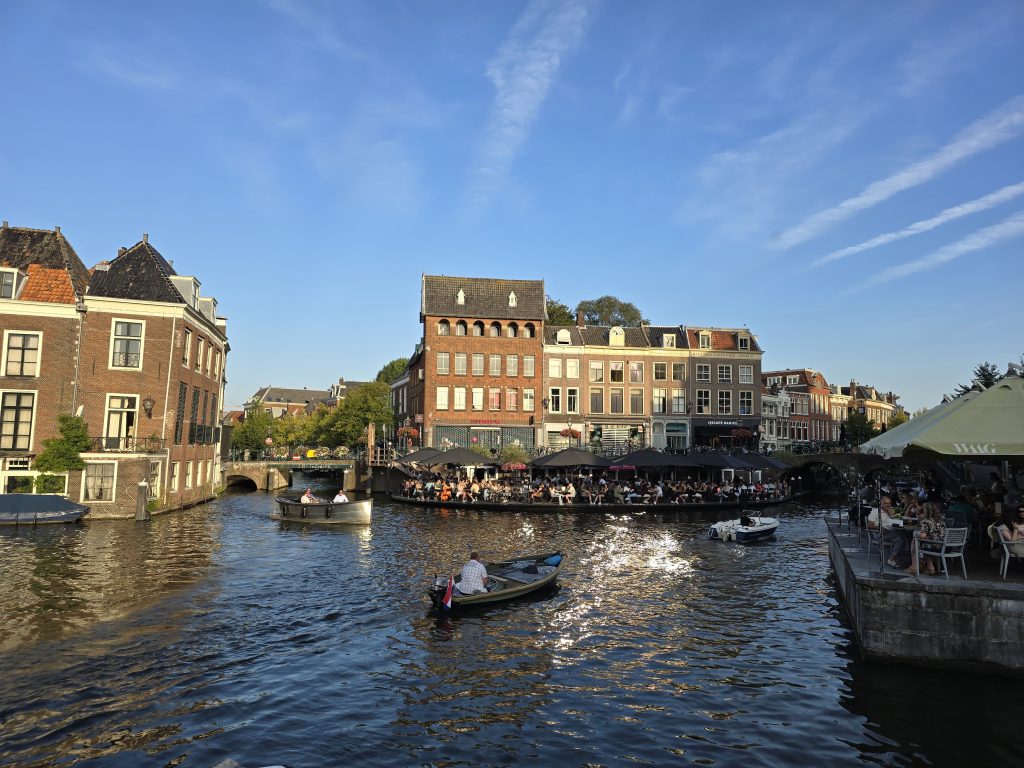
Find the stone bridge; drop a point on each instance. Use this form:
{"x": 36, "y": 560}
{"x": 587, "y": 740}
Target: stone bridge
{"x": 819, "y": 470}
{"x": 273, "y": 475}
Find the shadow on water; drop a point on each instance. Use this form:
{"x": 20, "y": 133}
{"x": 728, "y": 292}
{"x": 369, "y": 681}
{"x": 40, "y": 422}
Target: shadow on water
{"x": 217, "y": 632}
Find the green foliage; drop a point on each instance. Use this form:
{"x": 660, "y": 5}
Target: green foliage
{"x": 608, "y": 310}
{"x": 344, "y": 425}
{"x": 252, "y": 433}
{"x": 559, "y": 313}
{"x": 513, "y": 454}
{"x": 61, "y": 454}
{"x": 859, "y": 429}
{"x": 49, "y": 483}
{"x": 985, "y": 374}
{"x": 897, "y": 418}
{"x": 477, "y": 448}
{"x": 392, "y": 370}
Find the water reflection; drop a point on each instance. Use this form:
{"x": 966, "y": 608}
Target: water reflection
{"x": 218, "y": 632}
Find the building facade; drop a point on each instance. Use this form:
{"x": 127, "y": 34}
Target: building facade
{"x": 482, "y": 361}
{"x": 813, "y": 422}
{"x": 132, "y": 348}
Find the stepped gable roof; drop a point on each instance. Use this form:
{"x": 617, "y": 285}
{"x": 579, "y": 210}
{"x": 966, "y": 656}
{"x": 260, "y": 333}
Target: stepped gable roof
{"x": 137, "y": 273}
{"x": 55, "y": 273}
{"x": 484, "y": 298}
{"x": 286, "y": 395}
{"x": 722, "y": 338}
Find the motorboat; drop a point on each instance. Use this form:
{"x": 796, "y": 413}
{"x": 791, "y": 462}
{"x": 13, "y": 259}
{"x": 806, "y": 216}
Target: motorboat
{"x": 506, "y": 580}
{"x": 323, "y": 512}
{"x": 747, "y": 528}
{"x": 39, "y": 509}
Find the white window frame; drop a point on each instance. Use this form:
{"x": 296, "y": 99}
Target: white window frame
{"x": 703, "y": 394}
{"x": 113, "y": 487}
{"x": 17, "y": 282}
{"x": 704, "y": 372}
{"x": 464, "y": 358}
{"x": 668, "y": 341}
{"x": 443, "y": 370}
{"x": 106, "y": 413}
{"x": 746, "y": 374}
{"x": 678, "y": 399}
{"x": 750, "y": 409}
{"x": 572, "y": 399}
{"x": 664, "y": 400}
{"x": 640, "y": 368}
{"x": 554, "y": 400}
{"x": 4, "y": 351}
{"x": 554, "y": 367}
{"x": 441, "y": 399}
{"x": 725, "y": 402}
{"x": 744, "y": 343}
{"x": 35, "y": 412}
{"x": 529, "y": 366}
{"x": 494, "y": 364}
{"x": 572, "y": 368}
{"x": 511, "y": 365}
{"x": 491, "y": 392}
{"x": 186, "y": 348}
{"x": 200, "y": 350}
{"x": 612, "y": 369}
{"x": 175, "y": 476}
{"x": 529, "y": 396}
{"x": 459, "y": 396}
{"x": 478, "y": 370}
{"x": 636, "y": 395}
{"x": 511, "y": 399}
{"x": 654, "y": 371}
{"x": 142, "y": 344}
{"x": 704, "y": 340}
{"x": 594, "y": 390}
{"x": 682, "y": 369}
{"x": 188, "y": 475}
{"x": 725, "y": 374}
{"x": 596, "y": 365}
{"x": 478, "y": 398}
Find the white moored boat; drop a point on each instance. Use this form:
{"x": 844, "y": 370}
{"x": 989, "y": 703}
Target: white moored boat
{"x": 747, "y": 528}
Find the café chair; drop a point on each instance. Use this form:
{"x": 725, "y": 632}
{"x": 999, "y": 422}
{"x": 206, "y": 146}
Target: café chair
{"x": 953, "y": 545}
{"x": 1010, "y": 549}
{"x": 875, "y": 540}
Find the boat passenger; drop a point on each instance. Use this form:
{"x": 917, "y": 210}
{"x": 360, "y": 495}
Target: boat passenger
{"x": 340, "y": 497}
{"x": 474, "y": 576}
{"x": 308, "y": 497}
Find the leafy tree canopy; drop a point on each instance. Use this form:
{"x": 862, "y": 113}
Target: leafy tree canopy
{"x": 559, "y": 313}
{"x": 513, "y": 454}
{"x": 609, "y": 310}
{"x": 368, "y": 403}
{"x": 61, "y": 454}
{"x": 392, "y": 370}
{"x": 252, "y": 433}
{"x": 897, "y": 418}
{"x": 859, "y": 428}
{"x": 985, "y": 374}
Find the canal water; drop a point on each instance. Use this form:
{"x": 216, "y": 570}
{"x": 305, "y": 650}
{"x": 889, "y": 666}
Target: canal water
{"x": 215, "y": 633}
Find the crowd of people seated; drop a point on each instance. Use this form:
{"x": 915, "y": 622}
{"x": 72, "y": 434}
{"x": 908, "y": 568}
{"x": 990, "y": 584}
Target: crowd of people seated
{"x": 587, "y": 489}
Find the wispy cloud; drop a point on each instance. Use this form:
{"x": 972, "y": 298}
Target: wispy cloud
{"x": 956, "y": 212}
{"x": 990, "y": 131}
{"x": 314, "y": 20}
{"x": 1007, "y": 229}
{"x": 523, "y": 73}
{"x": 129, "y": 71}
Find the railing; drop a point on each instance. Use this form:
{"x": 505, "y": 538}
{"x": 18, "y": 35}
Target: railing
{"x": 127, "y": 444}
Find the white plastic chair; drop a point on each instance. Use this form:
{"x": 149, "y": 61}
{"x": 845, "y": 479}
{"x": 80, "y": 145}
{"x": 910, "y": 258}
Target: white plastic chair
{"x": 953, "y": 545}
{"x": 1010, "y": 549}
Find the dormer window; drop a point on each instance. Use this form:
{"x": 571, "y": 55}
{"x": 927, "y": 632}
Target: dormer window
{"x": 443, "y": 328}
{"x": 11, "y": 283}
{"x": 704, "y": 342}
{"x": 563, "y": 336}
{"x": 668, "y": 341}
{"x": 460, "y": 297}
{"x": 512, "y": 299}
{"x": 616, "y": 336}
{"x": 744, "y": 342}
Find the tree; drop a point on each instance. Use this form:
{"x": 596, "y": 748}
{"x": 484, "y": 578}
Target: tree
{"x": 559, "y": 313}
{"x": 858, "y": 428}
{"x": 608, "y": 310}
{"x": 392, "y": 370}
{"x": 897, "y": 418}
{"x": 252, "y": 433}
{"x": 370, "y": 403}
{"x": 61, "y": 454}
{"x": 985, "y": 374}
{"x": 513, "y": 454}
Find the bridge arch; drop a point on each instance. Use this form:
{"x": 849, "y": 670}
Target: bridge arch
{"x": 241, "y": 482}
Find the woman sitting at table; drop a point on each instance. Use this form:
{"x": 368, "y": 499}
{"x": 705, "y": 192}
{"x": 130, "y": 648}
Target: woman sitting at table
{"x": 930, "y": 535}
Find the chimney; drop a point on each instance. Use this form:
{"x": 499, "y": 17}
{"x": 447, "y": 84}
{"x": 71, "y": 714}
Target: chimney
{"x": 145, "y": 237}
{"x": 5, "y": 225}
{"x": 56, "y": 230}
{"x": 579, "y": 319}
{"x": 122, "y": 251}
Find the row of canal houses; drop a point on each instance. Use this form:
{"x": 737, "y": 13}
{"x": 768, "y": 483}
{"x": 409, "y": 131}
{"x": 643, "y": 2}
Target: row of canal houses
{"x": 490, "y": 370}
{"x": 130, "y": 346}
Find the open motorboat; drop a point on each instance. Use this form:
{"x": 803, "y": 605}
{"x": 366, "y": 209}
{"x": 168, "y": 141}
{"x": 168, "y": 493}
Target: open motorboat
{"x": 323, "y": 512}
{"x": 37, "y": 509}
{"x": 506, "y": 580}
{"x": 749, "y": 527}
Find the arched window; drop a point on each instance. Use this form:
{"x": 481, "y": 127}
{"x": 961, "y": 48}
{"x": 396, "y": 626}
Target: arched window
{"x": 444, "y": 328}
{"x": 528, "y": 331}
{"x": 478, "y": 328}
{"x": 511, "y": 330}
{"x": 496, "y": 330}
{"x": 460, "y": 328}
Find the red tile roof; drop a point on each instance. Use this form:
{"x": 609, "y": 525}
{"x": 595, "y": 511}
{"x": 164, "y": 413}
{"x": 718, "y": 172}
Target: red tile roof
{"x": 49, "y": 285}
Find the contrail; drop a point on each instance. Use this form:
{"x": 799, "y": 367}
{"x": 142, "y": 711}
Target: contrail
{"x": 957, "y": 211}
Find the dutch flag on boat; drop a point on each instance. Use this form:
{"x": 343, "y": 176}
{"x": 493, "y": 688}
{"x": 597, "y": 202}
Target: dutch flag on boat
{"x": 446, "y": 601}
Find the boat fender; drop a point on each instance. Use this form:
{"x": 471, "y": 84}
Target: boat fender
{"x": 553, "y": 560}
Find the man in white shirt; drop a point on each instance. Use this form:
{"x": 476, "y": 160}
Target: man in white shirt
{"x": 341, "y": 498}
{"x": 308, "y": 497}
{"x": 474, "y": 576}
{"x": 894, "y": 539}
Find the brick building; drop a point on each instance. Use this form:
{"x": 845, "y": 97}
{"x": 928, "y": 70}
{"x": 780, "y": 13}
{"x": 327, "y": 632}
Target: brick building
{"x": 482, "y": 358}
{"x": 42, "y": 290}
{"x": 812, "y": 420}
{"x": 132, "y": 348}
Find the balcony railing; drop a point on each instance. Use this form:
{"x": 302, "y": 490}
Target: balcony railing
{"x": 126, "y": 444}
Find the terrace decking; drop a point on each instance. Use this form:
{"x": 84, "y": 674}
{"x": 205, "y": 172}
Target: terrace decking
{"x": 927, "y": 619}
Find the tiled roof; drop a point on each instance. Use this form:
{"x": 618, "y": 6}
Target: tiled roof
{"x": 484, "y": 298}
{"x": 551, "y": 334}
{"x": 285, "y": 395}
{"x": 721, "y": 338}
{"x": 51, "y": 253}
{"x": 597, "y": 335}
{"x": 657, "y": 332}
{"x": 137, "y": 273}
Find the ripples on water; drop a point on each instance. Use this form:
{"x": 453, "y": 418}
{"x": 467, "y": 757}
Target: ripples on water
{"x": 218, "y": 633}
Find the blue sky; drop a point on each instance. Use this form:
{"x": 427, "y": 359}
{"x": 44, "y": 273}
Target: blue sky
{"x": 845, "y": 179}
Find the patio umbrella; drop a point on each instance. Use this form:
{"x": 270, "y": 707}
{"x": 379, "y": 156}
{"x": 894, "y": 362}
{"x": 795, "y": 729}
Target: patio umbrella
{"x": 462, "y": 457}
{"x": 571, "y": 457}
{"x": 648, "y": 457}
{"x": 891, "y": 444}
{"x": 988, "y": 425}
{"x": 422, "y": 456}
